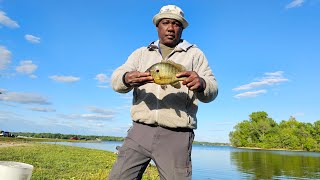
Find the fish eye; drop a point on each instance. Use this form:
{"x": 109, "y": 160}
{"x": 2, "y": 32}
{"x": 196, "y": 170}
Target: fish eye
{"x": 157, "y": 70}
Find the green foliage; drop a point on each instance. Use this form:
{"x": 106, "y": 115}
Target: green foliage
{"x": 263, "y": 132}
{"x": 65, "y": 162}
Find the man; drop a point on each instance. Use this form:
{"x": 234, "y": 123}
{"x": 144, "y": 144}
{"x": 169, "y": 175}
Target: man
{"x": 163, "y": 117}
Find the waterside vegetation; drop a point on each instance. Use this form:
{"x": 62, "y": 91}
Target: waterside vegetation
{"x": 66, "y": 136}
{"x": 261, "y": 131}
{"x": 53, "y": 161}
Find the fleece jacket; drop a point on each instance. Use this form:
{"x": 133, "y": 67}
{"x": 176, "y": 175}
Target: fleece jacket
{"x": 167, "y": 107}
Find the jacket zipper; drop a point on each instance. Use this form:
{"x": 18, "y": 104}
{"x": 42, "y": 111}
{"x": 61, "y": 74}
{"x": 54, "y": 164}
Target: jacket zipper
{"x": 158, "y": 95}
{"x": 158, "y": 89}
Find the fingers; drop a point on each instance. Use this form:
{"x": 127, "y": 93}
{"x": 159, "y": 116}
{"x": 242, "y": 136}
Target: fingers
{"x": 193, "y": 80}
{"x": 184, "y": 74}
{"x": 136, "y": 78}
{"x": 193, "y": 83}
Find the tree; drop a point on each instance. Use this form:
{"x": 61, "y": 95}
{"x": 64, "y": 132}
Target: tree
{"x": 262, "y": 131}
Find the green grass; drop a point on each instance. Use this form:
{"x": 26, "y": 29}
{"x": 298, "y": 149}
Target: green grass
{"x": 65, "y": 162}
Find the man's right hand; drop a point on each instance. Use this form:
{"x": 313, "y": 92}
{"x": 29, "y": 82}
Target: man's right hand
{"x": 136, "y": 78}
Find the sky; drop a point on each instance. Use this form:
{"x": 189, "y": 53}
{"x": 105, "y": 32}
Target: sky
{"x": 57, "y": 57}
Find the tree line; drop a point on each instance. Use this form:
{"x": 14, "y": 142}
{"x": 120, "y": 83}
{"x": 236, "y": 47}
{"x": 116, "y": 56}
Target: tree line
{"x": 261, "y": 131}
{"x": 67, "y": 136}
{"x": 92, "y": 137}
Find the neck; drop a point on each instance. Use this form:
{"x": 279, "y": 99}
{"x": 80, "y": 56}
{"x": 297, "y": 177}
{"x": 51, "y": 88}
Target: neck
{"x": 164, "y": 45}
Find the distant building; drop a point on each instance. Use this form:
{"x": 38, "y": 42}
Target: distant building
{"x": 6, "y": 134}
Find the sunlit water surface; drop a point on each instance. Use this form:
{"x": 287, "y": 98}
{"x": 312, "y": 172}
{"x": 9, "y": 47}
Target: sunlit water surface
{"x": 223, "y": 162}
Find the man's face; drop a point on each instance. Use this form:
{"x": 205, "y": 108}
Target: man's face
{"x": 169, "y": 32}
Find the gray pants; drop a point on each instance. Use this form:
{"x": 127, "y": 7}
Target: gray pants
{"x": 170, "y": 149}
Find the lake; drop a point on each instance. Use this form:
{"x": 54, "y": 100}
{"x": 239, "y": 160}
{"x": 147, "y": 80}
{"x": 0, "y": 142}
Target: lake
{"x": 223, "y": 162}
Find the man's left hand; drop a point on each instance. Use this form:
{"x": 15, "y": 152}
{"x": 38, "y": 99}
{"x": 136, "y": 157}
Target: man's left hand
{"x": 194, "y": 82}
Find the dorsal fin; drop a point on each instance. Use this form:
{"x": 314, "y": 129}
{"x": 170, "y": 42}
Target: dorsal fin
{"x": 180, "y": 67}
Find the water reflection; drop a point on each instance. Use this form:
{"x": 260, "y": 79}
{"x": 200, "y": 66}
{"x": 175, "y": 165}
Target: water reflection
{"x": 225, "y": 163}
{"x": 275, "y": 165}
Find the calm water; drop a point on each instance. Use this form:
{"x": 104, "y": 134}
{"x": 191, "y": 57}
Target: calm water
{"x": 216, "y": 162}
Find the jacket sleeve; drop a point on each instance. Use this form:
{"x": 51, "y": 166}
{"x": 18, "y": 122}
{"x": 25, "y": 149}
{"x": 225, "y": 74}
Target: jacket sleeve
{"x": 131, "y": 64}
{"x": 205, "y": 72}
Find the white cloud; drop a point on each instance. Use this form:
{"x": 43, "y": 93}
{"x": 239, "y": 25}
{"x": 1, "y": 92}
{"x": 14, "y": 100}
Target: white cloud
{"x": 23, "y": 98}
{"x": 64, "y": 78}
{"x": 250, "y": 94}
{"x": 269, "y": 79}
{"x": 88, "y": 116}
{"x": 95, "y": 116}
{"x": 294, "y": 3}
{"x": 102, "y": 79}
{"x": 42, "y": 109}
{"x": 32, "y": 39}
{"x": 27, "y": 67}
{"x": 3, "y": 90}
{"x": 101, "y": 86}
{"x": 98, "y": 110}
{"x": 5, "y": 57}
{"x": 6, "y": 21}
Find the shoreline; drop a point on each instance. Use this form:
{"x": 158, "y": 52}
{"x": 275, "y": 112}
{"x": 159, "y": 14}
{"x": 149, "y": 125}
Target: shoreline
{"x": 275, "y": 149}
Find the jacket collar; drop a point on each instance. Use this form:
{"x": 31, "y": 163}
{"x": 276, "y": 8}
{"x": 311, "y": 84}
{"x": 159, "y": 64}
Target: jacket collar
{"x": 182, "y": 46}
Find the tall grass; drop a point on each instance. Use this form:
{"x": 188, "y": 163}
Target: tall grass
{"x": 52, "y": 161}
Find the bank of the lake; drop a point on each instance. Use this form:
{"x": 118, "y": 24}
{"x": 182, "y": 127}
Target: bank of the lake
{"x": 270, "y": 149}
{"x": 53, "y": 161}
{"x": 209, "y": 162}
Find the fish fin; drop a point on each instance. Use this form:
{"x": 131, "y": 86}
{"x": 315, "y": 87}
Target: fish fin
{"x": 149, "y": 69}
{"x": 163, "y": 87}
{"x": 176, "y": 85}
{"x": 181, "y": 78}
{"x": 180, "y": 67}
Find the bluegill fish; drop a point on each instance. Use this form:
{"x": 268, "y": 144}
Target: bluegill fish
{"x": 164, "y": 73}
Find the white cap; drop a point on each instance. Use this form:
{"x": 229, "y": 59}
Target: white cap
{"x": 171, "y": 12}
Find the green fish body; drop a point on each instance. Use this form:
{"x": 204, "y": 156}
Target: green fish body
{"x": 164, "y": 73}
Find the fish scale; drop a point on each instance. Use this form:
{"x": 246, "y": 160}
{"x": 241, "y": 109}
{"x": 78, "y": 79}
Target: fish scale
{"x": 164, "y": 73}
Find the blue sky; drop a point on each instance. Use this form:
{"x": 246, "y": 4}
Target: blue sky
{"x": 56, "y": 59}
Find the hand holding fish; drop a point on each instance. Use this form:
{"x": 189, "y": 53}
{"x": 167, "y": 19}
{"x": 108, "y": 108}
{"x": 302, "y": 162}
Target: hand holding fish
{"x": 136, "y": 78}
{"x": 193, "y": 81}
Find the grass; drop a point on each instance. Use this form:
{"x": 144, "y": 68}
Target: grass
{"x": 52, "y": 161}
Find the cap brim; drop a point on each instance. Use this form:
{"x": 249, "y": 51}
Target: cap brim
{"x": 160, "y": 16}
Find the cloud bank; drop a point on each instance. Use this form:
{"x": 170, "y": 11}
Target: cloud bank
{"x": 65, "y": 79}
{"x": 23, "y": 98}
{"x": 5, "y": 57}
{"x": 294, "y": 4}
{"x": 32, "y": 39}
{"x": 6, "y": 21}
{"x": 27, "y": 67}
{"x": 269, "y": 79}
{"x": 103, "y": 80}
